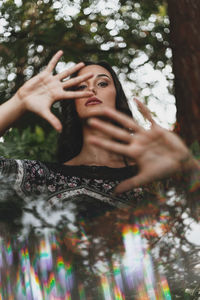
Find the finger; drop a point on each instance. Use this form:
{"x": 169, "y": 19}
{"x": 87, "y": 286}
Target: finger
{"x": 121, "y": 118}
{"x": 144, "y": 111}
{"x": 111, "y": 130}
{"x": 70, "y": 71}
{"x": 131, "y": 183}
{"x": 109, "y": 145}
{"x": 76, "y": 80}
{"x": 75, "y": 95}
{"x": 53, "y": 120}
{"x": 124, "y": 186}
{"x": 51, "y": 65}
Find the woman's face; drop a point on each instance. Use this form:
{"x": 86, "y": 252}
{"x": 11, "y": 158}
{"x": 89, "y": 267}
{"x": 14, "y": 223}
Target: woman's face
{"x": 103, "y": 88}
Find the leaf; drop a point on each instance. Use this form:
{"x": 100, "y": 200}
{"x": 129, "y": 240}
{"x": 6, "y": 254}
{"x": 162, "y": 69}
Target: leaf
{"x": 39, "y": 134}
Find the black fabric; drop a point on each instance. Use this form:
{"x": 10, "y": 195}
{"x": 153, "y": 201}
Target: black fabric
{"x": 94, "y": 171}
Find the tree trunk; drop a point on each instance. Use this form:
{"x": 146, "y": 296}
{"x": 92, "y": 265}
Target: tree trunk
{"x": 185, "y": 43}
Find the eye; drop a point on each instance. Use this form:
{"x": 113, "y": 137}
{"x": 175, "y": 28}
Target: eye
{"x": 103, "y": 84}
{"x": 81, "y": 87}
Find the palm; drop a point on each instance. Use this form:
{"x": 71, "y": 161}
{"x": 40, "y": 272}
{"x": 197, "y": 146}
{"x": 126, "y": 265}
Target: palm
{"x": 157, "y": 152}
{"x": 39, "y": 93}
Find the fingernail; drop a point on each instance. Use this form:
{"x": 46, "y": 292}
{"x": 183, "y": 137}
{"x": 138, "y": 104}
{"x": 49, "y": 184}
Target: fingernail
{"x": 59, "y": 129}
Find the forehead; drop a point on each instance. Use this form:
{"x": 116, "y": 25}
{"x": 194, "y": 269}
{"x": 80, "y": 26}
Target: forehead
{"x": 95, "y": 69}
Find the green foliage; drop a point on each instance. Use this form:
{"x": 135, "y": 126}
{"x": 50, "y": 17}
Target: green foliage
{"x": 30, "y": 144}
{"x": 34, "y": 30}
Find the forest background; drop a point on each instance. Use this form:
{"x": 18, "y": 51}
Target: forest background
{"x": 129, "y": 35}
{"x": 162, "y": 35}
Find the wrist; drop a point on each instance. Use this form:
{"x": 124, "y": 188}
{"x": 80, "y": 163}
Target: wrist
{"x": 191, "y": 171}
{"x": 189, "y": 163}
{"x": 18, "y": 102}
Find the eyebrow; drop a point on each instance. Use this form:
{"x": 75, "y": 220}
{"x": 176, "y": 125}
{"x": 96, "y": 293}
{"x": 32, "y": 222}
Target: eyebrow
{"x": 101, "y": 75}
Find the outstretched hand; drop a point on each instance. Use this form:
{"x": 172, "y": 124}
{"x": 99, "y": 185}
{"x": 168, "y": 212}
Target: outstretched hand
{"x": 157, "y": 152}
{"x": 40, "y": 92}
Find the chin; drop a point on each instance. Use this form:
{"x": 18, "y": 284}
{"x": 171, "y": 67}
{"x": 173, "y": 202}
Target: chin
{"x": 91, "y": 112}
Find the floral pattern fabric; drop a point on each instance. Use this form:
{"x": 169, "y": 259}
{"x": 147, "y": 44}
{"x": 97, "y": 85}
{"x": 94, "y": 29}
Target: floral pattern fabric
{"x": 58, "y": 182}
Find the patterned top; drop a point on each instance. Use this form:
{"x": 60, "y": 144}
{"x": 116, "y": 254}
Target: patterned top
{"x": 58, "y": 183}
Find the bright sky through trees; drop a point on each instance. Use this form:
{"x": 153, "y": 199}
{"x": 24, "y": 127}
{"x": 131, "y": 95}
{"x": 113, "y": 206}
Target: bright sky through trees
{"x": 142, "y": 80}
{"x": 160, "y": 101}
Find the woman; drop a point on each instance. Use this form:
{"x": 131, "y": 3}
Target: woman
{"x": 93, "y": 158}
{"x": 84, "y": 169}
{"x": 95, "y": 89}
{"x": 76, "y": 112}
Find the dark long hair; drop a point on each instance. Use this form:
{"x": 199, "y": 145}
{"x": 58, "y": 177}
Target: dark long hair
{"x": 71, "y": 139}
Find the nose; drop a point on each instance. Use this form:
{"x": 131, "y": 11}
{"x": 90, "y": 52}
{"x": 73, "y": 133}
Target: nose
{"x": 92, "y": 89}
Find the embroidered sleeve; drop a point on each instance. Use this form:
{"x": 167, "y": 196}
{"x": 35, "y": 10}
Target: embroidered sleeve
{"x": 8, "y": 168}
{"x": 34, "y": 177}
{"x": 24, "y": 176}
{"x": 8, "y": 179}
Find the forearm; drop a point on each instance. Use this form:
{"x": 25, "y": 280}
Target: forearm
{"x": 10, "y": 112}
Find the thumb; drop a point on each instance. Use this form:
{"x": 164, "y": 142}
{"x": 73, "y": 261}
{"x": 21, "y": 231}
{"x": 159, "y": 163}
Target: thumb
{"x": 131, "y": 183}
{"x": 53, "y": 120}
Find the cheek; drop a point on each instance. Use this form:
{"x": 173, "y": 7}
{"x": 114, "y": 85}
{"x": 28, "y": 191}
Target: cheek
{"x": 79, "y": 106}
{"x": 112, "y": 97}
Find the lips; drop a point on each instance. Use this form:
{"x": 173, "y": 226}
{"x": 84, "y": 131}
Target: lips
{"x": 93, "y": 101}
